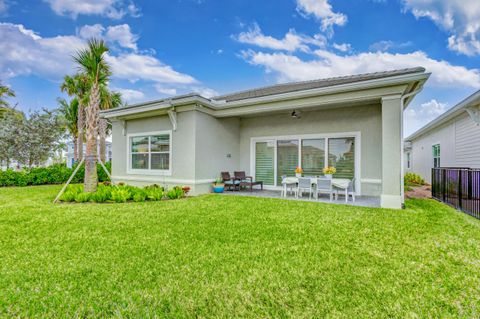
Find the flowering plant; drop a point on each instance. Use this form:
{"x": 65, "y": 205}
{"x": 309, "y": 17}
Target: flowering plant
{"x": 298, "y": 170}
{"x": 329, "y": 170}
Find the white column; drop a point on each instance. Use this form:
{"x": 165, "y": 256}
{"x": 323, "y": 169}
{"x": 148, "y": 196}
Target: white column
{"x": 392, "y": 141}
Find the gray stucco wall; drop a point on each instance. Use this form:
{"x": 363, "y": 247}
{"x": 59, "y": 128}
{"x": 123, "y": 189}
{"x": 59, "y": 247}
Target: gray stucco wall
{"x": 365, "y": 119}
{"x": 217, "y": 145}
{"x": 183, "y": 147}
{"x": 200, "y": 146}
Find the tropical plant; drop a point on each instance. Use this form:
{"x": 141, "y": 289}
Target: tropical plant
{"x": 70, "y": 114}
{"x": 175, "y": 193}
{"x": 120, "y": 195}
{"x": 92, "y": 64}
{"x": 412, "y": 179}
{"x": 5, "y": 91}
{"x": 78, "y": 86}
{"x": 108, "y": 100}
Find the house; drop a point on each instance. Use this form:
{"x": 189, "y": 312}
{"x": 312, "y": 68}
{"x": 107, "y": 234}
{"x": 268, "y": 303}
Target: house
{"x": 451, "y": 140}
{"x": 354, "y": 123}
{"x": 70, "y": 152}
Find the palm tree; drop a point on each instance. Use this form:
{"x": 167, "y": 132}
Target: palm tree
{"x": 5, "y": 91}
{"x": 70, "y": 113}
{"x": 108, "y": 100}
{"x": 77, "y": 86}
{"x": 92, "y": 63}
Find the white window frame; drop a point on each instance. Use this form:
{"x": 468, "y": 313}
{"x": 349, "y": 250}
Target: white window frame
{"x": 439, "y": 154}
{"x": 357, "y": 164}
{"x": 164, "y": 172}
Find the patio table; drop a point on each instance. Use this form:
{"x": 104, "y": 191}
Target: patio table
{"x": 341, "y": 183}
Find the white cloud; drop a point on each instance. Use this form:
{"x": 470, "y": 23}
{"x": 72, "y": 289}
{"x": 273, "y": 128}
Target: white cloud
{"x": 24, "y": 52}
{"x": 291, "y": 41}
{"x": 460, "y": 18}
{"x": 130, "y": 95}
{"x": 205, "y": 92}
{"x": 165, "y": 90}
{"x": 120, "y": 34}
{"x": 114, "y": 9}
{"x": 416, "y": 117}
{"x": 344, "y": 47}
{"x": 323, "y": 11}
{"x": 91, "y": 31}
{"x": 387, "y": 45}
{"x": 134, "y": 67}
{"x": 327, "y": 64}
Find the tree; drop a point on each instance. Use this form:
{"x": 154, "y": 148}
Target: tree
{"x": 39, "y": 137}
{"x": 92, "y": 64}
{"x": 5, "y": 91}
{"x": 108, "y": 100}
{"x": 77, "y": 86}
{"x": 70, "y": 114}
{"x": 11, "y": 125}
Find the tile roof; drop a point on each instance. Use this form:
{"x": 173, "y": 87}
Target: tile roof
{"x": 306, "y": 85}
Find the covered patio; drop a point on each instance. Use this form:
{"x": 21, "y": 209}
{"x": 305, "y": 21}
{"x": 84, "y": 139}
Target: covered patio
{"x": 365, "y": 201}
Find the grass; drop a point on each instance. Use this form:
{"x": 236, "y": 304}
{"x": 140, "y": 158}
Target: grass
{"x": 226, "y": 256}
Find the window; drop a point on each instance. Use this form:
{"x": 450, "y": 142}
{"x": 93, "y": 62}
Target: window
{"x": 313, "y": 156}
{"x": 408, "y": 159}
{"x": 287, "y": 158}
{"x": 341, "y": 155}
{"x": 150, "y": 152}
{"x": 436, "y": 155}
{"x": 264, "y": 162}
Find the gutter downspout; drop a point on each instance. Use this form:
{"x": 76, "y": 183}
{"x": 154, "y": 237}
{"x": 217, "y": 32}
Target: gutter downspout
{"x": 402, "y": 160}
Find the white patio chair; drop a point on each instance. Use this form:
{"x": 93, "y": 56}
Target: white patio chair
{"x": 304, "y": 184}
{"x": 289, "y": 187}
{"x": 350, "y": 191}
{"x": 324, "y": 185}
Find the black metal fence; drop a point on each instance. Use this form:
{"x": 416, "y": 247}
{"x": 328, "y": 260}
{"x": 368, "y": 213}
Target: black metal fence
{"x": 458, "y": 187}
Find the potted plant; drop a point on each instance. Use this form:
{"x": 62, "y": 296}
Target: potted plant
{"x": 298, "y": 171}
{"x": 218, "y": 186}
{"x": 329, "y": 171}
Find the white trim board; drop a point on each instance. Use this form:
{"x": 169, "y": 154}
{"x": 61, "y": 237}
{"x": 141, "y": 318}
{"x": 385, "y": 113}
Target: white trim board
{"x": 358, "y": 146}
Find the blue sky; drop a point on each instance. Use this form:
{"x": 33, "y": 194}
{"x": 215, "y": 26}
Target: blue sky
{"x": 162, "y": 48}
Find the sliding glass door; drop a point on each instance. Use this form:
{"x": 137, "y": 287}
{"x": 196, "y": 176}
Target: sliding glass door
{"x": 341, "y": 155}
{"x": 287, "y": 158}
{"x": 265, "y": 162}
{"x": 313, "y": 156}
{"x": 277, "y": 157}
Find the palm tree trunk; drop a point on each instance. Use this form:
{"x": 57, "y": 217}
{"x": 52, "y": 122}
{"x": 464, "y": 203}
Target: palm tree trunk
{"x": 102, "y": 134}
{"x": 75, "y": 150}
{"x": 80, "y": 128}
{"x": 91, "y": 116}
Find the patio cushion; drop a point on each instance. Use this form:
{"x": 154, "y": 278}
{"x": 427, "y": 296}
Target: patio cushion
{"x": 236, "y": 182}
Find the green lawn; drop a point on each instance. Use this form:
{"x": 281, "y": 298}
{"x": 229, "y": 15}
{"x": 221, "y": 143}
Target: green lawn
{"x": 226, "y": 256}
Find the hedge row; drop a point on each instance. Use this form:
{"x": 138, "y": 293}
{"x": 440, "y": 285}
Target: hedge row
{"x": 55, "y": 174}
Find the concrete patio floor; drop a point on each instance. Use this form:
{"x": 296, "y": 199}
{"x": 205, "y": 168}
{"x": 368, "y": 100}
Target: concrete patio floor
{"x": 366, "y": 201}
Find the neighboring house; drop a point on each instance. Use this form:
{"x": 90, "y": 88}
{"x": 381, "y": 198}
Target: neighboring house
{"x": 70, "y": 153}
{"x": 267, "y": 132}
{"x": 451, "y": 140}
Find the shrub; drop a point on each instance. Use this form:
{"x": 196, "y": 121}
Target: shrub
{"x": 139, "y": 196}
{"x": 120, "y": 195}
{"x": 175, "y": 192}
{"x": 413, "y": 179}
{"x": 82, "y": 197}
{"x": 154, "y": 193}
{"x": 102, "y": 194}
{"x": 68, "y": 196}
{"x": 54, "y": 174}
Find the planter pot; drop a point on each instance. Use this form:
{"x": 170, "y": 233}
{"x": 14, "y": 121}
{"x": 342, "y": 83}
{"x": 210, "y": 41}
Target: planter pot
{"x": 218, "y": 188}
{"x": 328, "y": 176}
{"x": 298, "y": 174}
